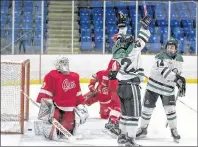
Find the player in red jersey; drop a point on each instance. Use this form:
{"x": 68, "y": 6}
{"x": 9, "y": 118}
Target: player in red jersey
{"x": 109, "y": 105}
{"x": 63, "y": 88}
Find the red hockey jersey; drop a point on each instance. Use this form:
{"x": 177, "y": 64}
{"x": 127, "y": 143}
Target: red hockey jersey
{"x": 101, "y": 77}
{"x": 63, "y": 89}
{"x": 113, "y": 66}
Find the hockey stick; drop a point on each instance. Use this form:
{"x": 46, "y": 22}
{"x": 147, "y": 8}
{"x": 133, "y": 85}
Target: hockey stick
{"x": 67, "y": 134}
{"x": 187, "y": 106}
{"x": 145, "y": 9}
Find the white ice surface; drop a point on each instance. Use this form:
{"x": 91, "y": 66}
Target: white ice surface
{"x": 157, "y": 135}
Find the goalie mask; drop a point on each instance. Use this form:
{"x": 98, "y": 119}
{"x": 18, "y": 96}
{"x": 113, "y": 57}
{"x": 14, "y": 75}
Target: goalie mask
{"x": 171, "y": 48}
{"x": 62, "y": 64}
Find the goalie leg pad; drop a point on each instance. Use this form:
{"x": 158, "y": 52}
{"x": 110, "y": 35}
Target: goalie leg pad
{"x": 38, "y": 127}
{"x": 46, "y": 110}
{"x": 49, "y": 131}
{"x": 46, "y": 129}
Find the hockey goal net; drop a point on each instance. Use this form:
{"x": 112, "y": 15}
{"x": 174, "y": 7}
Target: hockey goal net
{"x": 15, "y": 76}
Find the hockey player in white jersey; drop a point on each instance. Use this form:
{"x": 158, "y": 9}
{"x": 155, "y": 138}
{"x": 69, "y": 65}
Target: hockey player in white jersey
{"x": 165, "y": 75}
{"x": 127, "y": 51}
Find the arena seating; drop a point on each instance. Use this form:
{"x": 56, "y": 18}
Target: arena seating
{"x": 27, "y": 21}
{"x": 182, "y": 24}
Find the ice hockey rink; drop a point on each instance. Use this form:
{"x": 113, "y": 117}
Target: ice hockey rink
{"x": 158, "y": 134}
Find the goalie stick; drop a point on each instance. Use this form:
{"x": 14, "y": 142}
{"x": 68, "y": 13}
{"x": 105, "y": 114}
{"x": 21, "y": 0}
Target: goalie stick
{"x": 67, "y": 134}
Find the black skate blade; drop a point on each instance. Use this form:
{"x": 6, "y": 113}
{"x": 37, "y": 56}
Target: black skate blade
{"x": 107, "y": 132}
{"x": 141, "y": 137}
{"x": 176, "y": 140}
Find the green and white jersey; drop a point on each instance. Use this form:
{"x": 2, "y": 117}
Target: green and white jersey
{"x": 163, "y": 74}
{"x": 130, "y": 58}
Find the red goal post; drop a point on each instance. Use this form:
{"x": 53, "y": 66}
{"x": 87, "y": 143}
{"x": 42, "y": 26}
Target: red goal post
{"x": 15, "y": 80}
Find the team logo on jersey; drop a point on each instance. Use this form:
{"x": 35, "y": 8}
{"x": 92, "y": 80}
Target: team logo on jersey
{"x": 66, "y": 85}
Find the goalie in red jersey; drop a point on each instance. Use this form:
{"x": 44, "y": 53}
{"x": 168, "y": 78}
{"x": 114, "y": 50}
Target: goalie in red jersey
{"x": 105, "y": 94}
{"x": 61, "y": 90}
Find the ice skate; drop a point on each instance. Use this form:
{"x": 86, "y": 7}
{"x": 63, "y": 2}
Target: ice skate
{"x": 131, "y": 142}
{"x": 141, "y": 133}
{"x": 112, "y": 129}
{"x": 175, "y": 135}
{"x": 121, "y": 140}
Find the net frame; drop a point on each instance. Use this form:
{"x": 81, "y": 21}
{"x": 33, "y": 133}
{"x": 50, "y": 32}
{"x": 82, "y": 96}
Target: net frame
{"x": 24, "y": 88}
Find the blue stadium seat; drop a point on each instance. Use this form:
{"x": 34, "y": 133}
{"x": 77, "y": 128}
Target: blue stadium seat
{"x": 120, "y": 4}
{"x": 85, "y": 32}
{"x": 111, "y": 28}
{"x": 190, "y": 32}
{"x": 192, "y": 46}
{"x": 163, "y": 30}
{"x": 97, "y": 20}
{"x": 175, "y": 23}
{"x": 96, "y": 3}
{"x": 177, "y": 30}
{"x": 2, "y": 33}
{"x": 164, "y": 39}
{"x": 85, "y": 26}
{"x": 154, "y": 38}
{"x": 162, "y": 23}
{"x": 28, "y": 3}
{"x": 175, "y": 16}
{"x": 85, "y": 20}
{"x": 98, "y": 43}
{"x": 154, "y": 47}
{"x": 3, "y": 24}
{"x": 84, "y": 11}
{"x": 110, "y": 11}
{"x": 184, "y": 14}
{"x": 18, "y": 4}
{"x": 4, "y": 10}
{"x": 181, "y": 46}
{"x": 187, "y": 23}
{"x": 37, "y": 42}
{"x": 110, "y": 4}
{"x": 5, "y": 4}
{"x": 191, "y": 38}
{"x": 28, "y": 9}
{"x": 97, "y": 12}
{"x": 110, "y": 20}
{"x": 86, "y": 43}
{"x": 131, "y": 4}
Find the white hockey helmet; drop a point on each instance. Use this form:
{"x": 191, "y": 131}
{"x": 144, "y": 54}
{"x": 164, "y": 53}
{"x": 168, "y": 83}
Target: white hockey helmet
{"x": 62, "y": 64}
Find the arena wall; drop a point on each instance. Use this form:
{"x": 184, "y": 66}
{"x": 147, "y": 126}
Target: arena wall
{"x": 86, "y": 65}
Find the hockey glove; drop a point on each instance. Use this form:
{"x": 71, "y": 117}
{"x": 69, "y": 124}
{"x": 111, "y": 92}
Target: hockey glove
{"x": 122, "y": 20}
{"x": 81, "y": 113}
{"x": 112, "y": 75}
{"x": 146, "y": 21}
{"x": 181, "y": 85}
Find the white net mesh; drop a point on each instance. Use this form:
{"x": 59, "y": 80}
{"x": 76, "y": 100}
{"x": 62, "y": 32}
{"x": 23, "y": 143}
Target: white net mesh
{"x": 14, "y": 107}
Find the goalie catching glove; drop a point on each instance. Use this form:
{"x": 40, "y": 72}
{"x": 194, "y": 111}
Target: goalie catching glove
{"x": 81, "y": 113}
{"x": 181, "y": 85}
